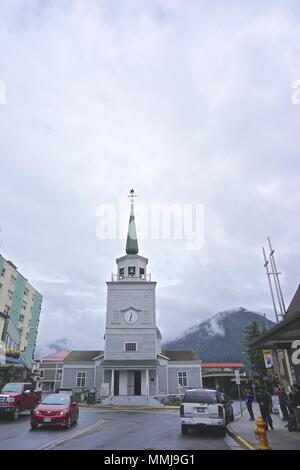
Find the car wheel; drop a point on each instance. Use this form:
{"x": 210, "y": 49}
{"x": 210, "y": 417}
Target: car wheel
{"x": 184, "y": 429}
{"x": 34, "y": 427}
{"x": 222, "y": 432}
{"x": 69, "y": 422}
{"x": 16, "y": 413}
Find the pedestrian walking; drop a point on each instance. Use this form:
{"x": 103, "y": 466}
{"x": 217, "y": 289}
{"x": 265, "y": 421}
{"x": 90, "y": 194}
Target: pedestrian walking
{"x": 283, "y": 402}
{"x": 263, "y": 400}
{"x": 249, "y": 401}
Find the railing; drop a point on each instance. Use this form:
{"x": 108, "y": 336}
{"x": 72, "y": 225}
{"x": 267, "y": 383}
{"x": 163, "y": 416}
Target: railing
{"x": 117, "y": 277}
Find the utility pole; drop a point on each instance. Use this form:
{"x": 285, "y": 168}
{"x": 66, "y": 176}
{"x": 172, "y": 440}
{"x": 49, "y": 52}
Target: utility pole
{"x": 276, "y": 280}
{"x": 269, "y": 274}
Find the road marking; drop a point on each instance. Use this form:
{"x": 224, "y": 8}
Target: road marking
{"x": 91, "y": 427}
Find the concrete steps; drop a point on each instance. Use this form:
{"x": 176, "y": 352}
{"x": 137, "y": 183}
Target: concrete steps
{"x": 134, "y": 400}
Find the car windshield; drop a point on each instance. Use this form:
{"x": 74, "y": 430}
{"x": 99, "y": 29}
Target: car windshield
{"x": 56, "y": 400}
{"x": 13, "y": 388}
{"x": 201, "y": 396}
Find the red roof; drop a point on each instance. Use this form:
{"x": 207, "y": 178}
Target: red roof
{"x": 207, "y": 365}
{"x": 56, "y": 357}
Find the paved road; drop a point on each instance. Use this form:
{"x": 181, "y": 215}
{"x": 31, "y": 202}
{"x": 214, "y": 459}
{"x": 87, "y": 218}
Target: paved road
{"x": 111, "y": 430}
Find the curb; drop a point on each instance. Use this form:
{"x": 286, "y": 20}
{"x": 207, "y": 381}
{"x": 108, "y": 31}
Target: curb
{"x": 136, "y": 408}
{"x": 240, "y": 440}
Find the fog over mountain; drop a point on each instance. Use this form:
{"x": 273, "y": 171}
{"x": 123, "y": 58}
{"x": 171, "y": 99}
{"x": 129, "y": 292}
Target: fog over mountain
{"x": 221, "y": 337}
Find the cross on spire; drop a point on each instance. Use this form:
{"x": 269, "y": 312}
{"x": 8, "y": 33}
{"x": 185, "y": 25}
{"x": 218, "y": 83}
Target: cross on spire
{"x": 132, "y": 196}
{"x": 132, "y": 243}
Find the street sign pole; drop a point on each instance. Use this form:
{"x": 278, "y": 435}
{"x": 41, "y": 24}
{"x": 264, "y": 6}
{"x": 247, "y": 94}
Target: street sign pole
{"x": 238, "y": 381}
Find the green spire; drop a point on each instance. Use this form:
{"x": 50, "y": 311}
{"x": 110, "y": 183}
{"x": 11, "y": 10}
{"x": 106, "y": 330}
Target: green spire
{"x": 132, "y": 247}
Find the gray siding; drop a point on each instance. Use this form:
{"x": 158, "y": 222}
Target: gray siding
{"x": 146, "y": 347}
{"x": 152, "y": 385}
{"x": 193, "y": 376}
{"x": 69, "y": 376}
{"x": 162, "y": 379}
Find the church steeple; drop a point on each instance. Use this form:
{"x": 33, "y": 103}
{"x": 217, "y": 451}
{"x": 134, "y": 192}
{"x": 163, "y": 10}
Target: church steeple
{"x": 132, "y": 247}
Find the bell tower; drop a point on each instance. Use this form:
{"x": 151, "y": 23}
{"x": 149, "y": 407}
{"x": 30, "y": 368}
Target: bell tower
{"x": 130, "y": 332}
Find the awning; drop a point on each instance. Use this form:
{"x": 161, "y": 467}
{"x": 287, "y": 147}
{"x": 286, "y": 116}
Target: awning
{"x": 281, "y": 335}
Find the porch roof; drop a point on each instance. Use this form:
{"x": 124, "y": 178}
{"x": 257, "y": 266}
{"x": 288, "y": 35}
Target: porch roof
{"x": 129, "y": 363}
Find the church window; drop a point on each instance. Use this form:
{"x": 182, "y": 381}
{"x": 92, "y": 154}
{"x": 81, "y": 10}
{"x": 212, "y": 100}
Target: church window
{"x": 131, "y": 271}
{"x": 121, "y": 273}
{"x": 80, "y": 379}
{"x": 182, "y": 379}
{"x": 142, "y": 272}
{"x": 130, "y": 346}
{"x": 152, "y": 379}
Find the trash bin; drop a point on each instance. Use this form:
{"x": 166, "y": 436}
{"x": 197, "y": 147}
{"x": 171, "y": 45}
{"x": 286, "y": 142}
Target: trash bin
{"x": 91, "y": 397}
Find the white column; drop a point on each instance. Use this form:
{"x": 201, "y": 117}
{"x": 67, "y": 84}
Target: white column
{"x": 147, "y": 382}
{"x": 112, "y": 382}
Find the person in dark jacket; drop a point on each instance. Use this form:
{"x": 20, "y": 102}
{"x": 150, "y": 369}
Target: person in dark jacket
{"x": 296, "y": 405}
{"x": 263, "y": 399}
{"x": 249, "y": 401}
{"x": 283, "y": 402}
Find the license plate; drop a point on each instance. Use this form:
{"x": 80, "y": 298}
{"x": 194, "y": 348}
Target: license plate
{"x": 47, "y": 420}
{"x": 200, "y": 410}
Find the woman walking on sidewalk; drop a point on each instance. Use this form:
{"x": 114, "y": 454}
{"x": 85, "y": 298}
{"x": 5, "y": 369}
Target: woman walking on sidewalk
{"x": 249, "y": 401}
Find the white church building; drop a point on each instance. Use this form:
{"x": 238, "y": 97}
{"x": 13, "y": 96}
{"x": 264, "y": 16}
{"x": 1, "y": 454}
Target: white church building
{"x": 132, "y": 368}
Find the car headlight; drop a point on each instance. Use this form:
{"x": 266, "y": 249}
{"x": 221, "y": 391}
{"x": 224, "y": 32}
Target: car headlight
{"x": 64, "y": 412}
{"x": 10, "y": 400}
{"x": 36, "y": 412}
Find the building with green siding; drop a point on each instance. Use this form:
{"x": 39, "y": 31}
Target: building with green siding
{"x": 20, "y": 308}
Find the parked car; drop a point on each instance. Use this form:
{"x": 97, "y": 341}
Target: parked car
{"x": 18, "y": 397}
{"x": 56, "y": 409}
{"x": 205, "y": 408}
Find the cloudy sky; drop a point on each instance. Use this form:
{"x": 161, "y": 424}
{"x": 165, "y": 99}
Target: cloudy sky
{"x": 188, "y": 102}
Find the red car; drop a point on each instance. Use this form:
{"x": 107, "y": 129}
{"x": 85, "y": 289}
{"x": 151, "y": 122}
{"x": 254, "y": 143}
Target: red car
{"x": 57, "y": 409}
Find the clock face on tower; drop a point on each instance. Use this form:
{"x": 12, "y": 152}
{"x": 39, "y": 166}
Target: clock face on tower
{"x": 131, "y": 316}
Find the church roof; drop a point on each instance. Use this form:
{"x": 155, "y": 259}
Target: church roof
{"x": 295, "y": 303}
{"x": 181, "y": 355}
{"x": 58, "y": 356}
{"x": 132, "y": 247}
{"x": 82, "y": 356}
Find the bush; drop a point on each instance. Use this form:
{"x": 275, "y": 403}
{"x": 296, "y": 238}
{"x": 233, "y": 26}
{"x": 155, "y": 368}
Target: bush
{"x": 171, "y": 401}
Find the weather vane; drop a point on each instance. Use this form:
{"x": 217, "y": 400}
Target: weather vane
{"x": 132, "y": 196}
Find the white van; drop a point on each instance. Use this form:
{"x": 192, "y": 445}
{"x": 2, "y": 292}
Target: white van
{"x": 205, "y": 408}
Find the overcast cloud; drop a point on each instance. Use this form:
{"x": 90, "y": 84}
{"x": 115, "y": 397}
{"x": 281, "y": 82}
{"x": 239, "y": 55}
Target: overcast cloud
{"x": 186, "y": 102}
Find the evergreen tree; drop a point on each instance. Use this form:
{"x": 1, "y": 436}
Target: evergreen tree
{"x": 256, "y": 357}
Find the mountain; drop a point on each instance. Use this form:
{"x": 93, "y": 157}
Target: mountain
{"x": 221, "y": 337}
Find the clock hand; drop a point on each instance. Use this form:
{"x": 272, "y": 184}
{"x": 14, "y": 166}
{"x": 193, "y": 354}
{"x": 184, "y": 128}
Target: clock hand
{"x": 130, "y": 319}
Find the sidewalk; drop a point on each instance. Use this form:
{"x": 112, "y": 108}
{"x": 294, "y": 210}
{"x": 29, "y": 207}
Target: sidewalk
{"x": 279, "y": 439}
